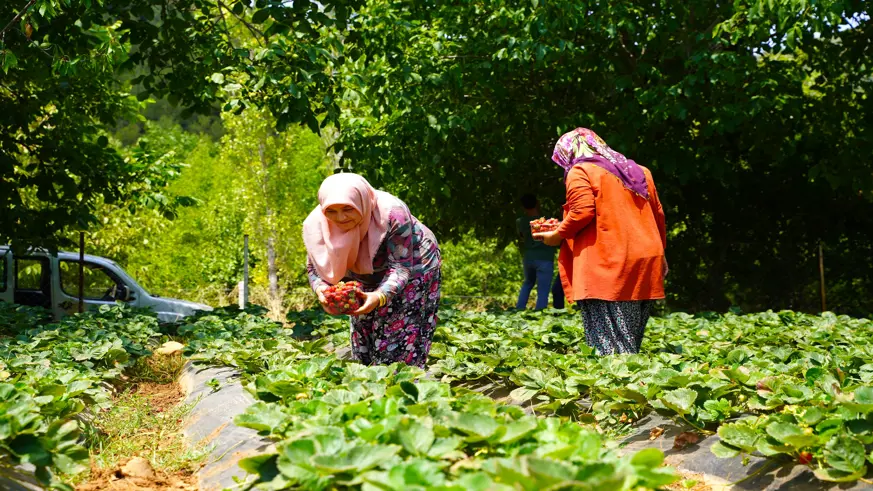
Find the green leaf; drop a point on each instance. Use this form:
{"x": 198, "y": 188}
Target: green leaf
{"x": 475, "y": 425}
{"x": 522, "y": 394}
{"x": 29, "y": 449}
{"x": 261, "y": 16}
{"x": 812, "y": 415}
{"x": 263, "y": 465}
{"x": 791, "y": 434}
{"x": 9, "y": 60}
{"x": 738, "y": 435}
{"x": 443, "y": 446}
{"x": 649, "y": 458}
{"x": 297, "y": 451}
{"x": 550, "y": 472}
{"x": 518, "y": 430}
{"x": 357, "y": 459}
{"x": 862, "y": 400}
{"x": 835, "y": 475}
{"x": 262, "y": 417}
{"x": 73, "y": 461}
{"x": 845, "y": 453}
{"x": 416, "y": 437}
{"x": 722, "y": 451}
{"x": 680, "y": 400}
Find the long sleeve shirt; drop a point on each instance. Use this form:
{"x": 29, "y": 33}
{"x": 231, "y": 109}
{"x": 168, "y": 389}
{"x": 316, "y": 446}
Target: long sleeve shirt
{"x": 614, "y": 240}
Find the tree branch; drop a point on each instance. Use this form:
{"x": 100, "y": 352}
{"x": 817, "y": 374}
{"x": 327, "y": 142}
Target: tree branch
{"x": 17, "y": 18}
{"x": 251, "y": 28}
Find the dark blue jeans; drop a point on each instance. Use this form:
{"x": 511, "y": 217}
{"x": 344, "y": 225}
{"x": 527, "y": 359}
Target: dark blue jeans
{"x": 540, "y": 273}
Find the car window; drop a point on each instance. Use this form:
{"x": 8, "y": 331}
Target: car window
{"x": 99, "y": 285}
{"x": 29, "y": 273}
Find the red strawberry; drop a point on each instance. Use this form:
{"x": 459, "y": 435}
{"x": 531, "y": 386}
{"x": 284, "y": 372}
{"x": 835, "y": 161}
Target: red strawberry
{"x": 804, "y": 458}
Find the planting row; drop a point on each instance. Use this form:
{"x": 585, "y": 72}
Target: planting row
{"x": 786, "y": 385}
{"x": 51, "y": 372}
{"x": 344, "y": 425}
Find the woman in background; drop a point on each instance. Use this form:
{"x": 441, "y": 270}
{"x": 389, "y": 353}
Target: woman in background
{"x": 612, "y": 241}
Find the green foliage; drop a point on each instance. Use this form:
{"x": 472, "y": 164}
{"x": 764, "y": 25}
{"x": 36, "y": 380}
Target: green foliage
{"x": 473, "y": 267}
{"x": 804, "y": 380}
{"x": 63, "y": 60}
{"x": 49, "y": 374}
{"x": 57, "y": 97}
{"x": 751, "y": 115}
{"x": 232, "y": 191}
{"x": 380, "y": 427}
{"x": 277, "y": 176}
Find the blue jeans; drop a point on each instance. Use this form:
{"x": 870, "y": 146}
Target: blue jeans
{"x": 557, "y": 293}
{"x": 539, "y": 273}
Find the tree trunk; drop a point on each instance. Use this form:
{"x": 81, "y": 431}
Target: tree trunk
{"x": 272, "y": 268}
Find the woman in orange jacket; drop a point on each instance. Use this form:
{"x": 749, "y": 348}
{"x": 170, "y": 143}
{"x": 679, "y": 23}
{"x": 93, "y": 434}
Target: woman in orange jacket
{"x": 612, "y": 241}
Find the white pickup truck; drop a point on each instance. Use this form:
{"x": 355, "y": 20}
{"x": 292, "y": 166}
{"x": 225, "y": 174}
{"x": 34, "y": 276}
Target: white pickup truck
{"x": 41, "y": 279}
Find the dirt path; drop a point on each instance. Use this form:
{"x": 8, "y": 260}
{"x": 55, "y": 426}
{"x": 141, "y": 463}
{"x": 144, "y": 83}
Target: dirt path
{"x": 137, "y": 444}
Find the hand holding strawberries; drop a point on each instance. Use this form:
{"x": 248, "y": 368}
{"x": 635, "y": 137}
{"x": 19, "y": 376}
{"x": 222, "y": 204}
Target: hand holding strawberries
{"x": 552, "y": 238}
{"x": 342, "y": 298}
{"x": 546, "y": 231}
{"x": 348, "y": 298}
{"x": 371, "y": 302}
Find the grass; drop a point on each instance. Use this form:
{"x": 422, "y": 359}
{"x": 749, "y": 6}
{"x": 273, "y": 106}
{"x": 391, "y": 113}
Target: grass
{"x": 145, "y": 420}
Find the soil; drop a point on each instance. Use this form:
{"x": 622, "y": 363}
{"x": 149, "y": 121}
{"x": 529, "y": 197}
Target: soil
{"x": 114, "y": 480}
{"x": 163, "y": 398}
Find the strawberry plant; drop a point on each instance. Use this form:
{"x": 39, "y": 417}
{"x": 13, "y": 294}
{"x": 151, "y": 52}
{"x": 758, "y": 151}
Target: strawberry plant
{"x": 343, "y": 425}
{"x": 51, "y": 372}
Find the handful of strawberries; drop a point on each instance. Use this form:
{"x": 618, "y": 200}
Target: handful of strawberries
{"x": 344, "y": 297}
{"x": 542, "y": 225}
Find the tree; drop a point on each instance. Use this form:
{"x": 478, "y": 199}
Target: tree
{"x": 63, "y": 60}
{"x": 753, "y": 116}
{"x": 278, "y": 177}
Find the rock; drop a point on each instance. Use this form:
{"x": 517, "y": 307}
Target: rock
{"x": 170, "y": 348}
{"x": 138, "y": 467}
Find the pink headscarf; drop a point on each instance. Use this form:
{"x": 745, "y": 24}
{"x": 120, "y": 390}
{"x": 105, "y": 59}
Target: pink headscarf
{"x": 333, "y": 251}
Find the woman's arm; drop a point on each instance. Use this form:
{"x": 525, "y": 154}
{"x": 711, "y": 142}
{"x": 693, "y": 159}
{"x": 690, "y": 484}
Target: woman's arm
{"x": 580, "y": 201}
{"x": 400, "y": 252}
{"x": 315, "y": 281}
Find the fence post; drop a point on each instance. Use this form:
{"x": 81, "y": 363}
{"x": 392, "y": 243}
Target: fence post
{"x": 245, "y": 285}
{"x": 821, "y": 277}
{"x": 81, "y": 272}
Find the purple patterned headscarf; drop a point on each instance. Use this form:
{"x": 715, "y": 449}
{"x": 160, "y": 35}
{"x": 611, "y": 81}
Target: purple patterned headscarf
{"x": 584, "y": 146}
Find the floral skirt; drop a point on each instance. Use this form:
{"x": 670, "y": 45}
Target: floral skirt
{"x": 402, "y": 330}
{"x": 615, "y": 327}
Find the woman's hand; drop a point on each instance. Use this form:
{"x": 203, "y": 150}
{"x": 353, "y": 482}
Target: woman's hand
{"x": 371, "y": 302}
{"x": 666, "y": 267}
{"x": 552, "y": 238}
{"x": 323, "y": 301}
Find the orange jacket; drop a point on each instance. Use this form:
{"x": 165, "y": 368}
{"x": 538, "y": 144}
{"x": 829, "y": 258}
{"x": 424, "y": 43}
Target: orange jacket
{"x": 614, "y": 240}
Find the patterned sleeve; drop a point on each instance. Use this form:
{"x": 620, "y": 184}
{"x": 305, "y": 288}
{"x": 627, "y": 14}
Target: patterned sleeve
{"x": 315, "y": 281}
{"x": 399, "y": 241}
